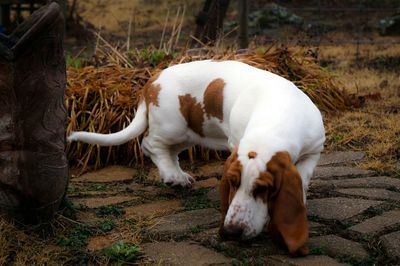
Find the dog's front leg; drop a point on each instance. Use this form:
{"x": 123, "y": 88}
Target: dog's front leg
{"x": 305, "y": 166}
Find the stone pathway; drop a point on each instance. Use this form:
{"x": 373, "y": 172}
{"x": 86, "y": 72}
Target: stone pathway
{"x": 354, "y": 216}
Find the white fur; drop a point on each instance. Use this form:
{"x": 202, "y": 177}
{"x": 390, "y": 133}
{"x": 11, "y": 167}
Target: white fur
{"x": 262, "y": 112}
{"x": 246, "y": 212}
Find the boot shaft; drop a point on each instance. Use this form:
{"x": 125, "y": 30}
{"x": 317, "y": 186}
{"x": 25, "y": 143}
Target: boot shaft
{"x": 34, "y": 170}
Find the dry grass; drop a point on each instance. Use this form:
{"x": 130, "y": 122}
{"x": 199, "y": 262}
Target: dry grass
{"x": 142, "y": 20}
{"x": 375, "y": 127}
{"x": 374, "y": 131}
{"x": 42, "y": 245}
{"x": 22, "y": 246}
{"x": 104, "y": 99}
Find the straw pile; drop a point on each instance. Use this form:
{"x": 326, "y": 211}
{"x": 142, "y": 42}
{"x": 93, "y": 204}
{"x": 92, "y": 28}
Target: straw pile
{"x": 103, "y": 99}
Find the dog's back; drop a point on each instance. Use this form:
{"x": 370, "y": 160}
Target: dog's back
{"x": 250, "y": 96}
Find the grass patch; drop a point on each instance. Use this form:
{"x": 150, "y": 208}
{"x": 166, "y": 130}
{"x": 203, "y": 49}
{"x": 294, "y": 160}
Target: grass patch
{"x": 77, "y": 237}
{"x": 372, "y": 212}
{"x": 357, "y": 261}
{"x": 106, "y": 225}
{"x": 317, "y": 251}
{"x": 88, "y": 188}
{"x": 196, "y": 230}
{"x": 97, "y": 187}
{"x": 74, "y": 62}
{"x": 110, "y": 210}
{"x": 153, "y": 57}
{"x": 197, "y": 199}
{"x": 394, "y": 189}
{"x": 122, "y": 252}
{"x": 67, "y": 208}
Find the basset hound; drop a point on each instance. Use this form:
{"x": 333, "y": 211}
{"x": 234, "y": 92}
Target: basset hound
{"x": 274, "y": 131}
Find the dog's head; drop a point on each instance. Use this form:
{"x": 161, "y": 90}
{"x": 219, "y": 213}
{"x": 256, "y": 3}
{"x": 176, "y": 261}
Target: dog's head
{"x": 252, "y": 198}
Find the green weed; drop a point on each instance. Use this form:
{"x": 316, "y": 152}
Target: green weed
{"x": 123, "y": 253}
{"x": 197, "y": 200}
{"x": 317, "y": 251}
{"x": 67, "y": 208}
{"x": 153, "y": 56}
{"x": 106, "y": 225}
{"x": 109, "y": 210}
{"x": 78, "y": 236}
{"x": 74, "y": 62}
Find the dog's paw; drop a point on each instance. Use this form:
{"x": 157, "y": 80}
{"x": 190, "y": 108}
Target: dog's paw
{"x": 182, "y": 180}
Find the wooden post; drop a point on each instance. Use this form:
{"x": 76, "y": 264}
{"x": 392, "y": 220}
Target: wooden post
{"x": 243, "y": 24}
{"x": 210, "y": 21}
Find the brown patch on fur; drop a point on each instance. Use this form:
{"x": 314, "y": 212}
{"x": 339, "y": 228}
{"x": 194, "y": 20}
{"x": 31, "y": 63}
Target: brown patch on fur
{"x": 214, "y": 99}
{"x": 192, "y": 112}
{"x": 252, "y": 155}
{"x": 151, "y": 91}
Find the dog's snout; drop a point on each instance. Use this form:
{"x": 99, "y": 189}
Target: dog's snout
{"x": 230, "y": 232}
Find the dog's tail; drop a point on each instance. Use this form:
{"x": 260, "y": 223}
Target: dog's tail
{"x": 135, "y": 128}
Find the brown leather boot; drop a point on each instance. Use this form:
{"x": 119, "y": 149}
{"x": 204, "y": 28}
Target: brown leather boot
{"x": 33, "y": 165}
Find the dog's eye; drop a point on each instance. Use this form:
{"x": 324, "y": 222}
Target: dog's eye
{"x": 260, "y": 192}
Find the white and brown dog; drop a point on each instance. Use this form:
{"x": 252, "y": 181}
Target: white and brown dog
{"x": 273, "y": 129}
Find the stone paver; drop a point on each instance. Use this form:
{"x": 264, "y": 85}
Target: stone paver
{"x": 280, "y": 260}
{"x": 109, "y": 174}
{"x": 101, "y": 242}
{"x": 378, "y": 223}
{"x": 336, "y": 172}
{"x": 373, "y": 193}
{"x": 336, "y": 246}
{"x": 181, "y": 223}
{"x": 183, "y": 253}
{"x": 391, "y": 243}
{"x": 154, "y": 208}
{"x": 338, "y": 208}
{"x": 365, "y": 182}
{"x": 85, "y": 216}
{"x": 341, "y": 157}
{"x": 207, "y": 183}
{"x": 213, "y": 195}
{"x": 211, "y": 169}
{"x": 152, "y": 192}
{"x": 153, "y": 175}
{"x": 98, "y": 202}
{"x": 314, "y": 228}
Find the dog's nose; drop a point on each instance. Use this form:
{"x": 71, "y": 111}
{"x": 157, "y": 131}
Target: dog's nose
{"x": 230, "y": 232}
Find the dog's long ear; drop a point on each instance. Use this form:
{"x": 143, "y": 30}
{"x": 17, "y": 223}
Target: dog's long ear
{"x": 230, "y": 175}
{"x": 288, "y": 213}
